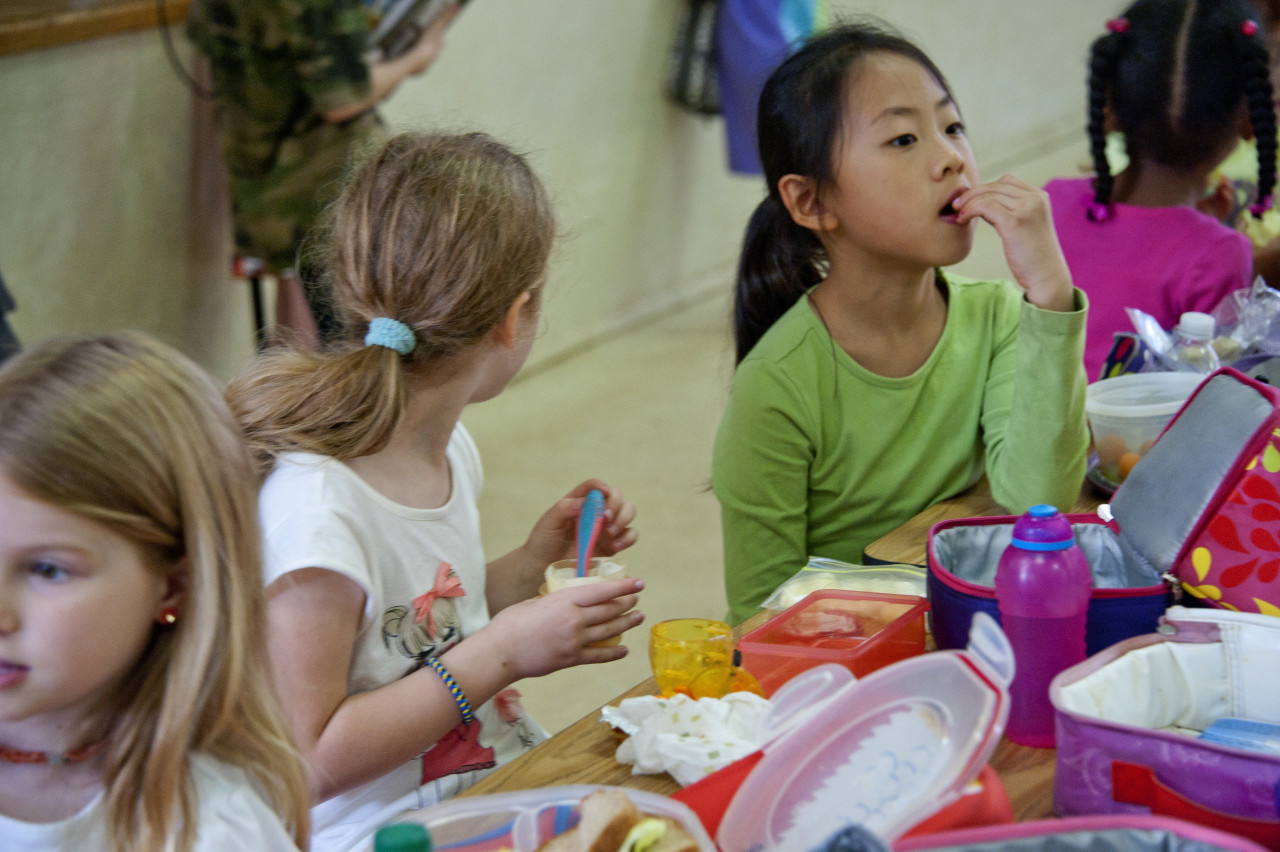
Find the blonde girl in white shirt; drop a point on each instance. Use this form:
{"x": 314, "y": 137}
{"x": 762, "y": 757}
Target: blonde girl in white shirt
{"x": 136, "y": 710}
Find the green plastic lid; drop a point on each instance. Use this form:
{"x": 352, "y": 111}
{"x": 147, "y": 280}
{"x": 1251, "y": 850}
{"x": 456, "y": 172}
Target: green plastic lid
{"x": 402, "y": 837}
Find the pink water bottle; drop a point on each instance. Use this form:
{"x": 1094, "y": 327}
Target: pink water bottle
{"x": 1042, "y": 587}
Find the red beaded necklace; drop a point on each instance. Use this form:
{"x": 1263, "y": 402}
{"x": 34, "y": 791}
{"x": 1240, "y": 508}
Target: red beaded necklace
{"x": 53, "y": 758}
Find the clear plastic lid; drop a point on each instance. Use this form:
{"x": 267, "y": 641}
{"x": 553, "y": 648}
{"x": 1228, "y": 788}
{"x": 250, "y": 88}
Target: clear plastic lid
{"x": 883, "y": 752}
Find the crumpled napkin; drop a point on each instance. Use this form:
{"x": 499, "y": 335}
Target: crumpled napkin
{"x": 687, "y": 738}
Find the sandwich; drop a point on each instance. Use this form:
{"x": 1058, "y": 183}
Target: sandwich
{"x": 609, "y": 822}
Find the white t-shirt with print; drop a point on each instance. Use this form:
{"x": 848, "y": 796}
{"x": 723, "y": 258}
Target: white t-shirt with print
{"x": 423, "y": 574}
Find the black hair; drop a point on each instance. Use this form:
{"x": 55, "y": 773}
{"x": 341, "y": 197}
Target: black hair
{"x": 1174, "y": 74}
{"x": 800, "y": 115}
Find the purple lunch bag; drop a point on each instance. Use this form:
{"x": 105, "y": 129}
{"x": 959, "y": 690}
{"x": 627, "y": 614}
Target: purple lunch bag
{"x": 1128, "y": 722}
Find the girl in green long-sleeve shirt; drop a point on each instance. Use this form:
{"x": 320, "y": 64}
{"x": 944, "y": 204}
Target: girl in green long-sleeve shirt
{"x": 870, "y": 384}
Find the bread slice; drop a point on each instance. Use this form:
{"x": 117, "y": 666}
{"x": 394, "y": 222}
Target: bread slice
{"x": 606, "y": 817}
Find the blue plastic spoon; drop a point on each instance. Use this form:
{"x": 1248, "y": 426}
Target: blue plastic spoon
{"x": 589, "y": 528}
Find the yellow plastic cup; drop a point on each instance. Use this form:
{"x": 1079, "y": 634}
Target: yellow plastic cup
{"x": 683, "y": 648}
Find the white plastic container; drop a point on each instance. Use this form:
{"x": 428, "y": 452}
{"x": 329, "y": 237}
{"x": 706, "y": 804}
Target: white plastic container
{"x": 1128, "y": 413}
{"x": 525, "y": 819}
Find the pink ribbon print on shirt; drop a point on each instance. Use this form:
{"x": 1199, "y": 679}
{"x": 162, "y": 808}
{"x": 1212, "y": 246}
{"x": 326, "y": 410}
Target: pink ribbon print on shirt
{"x": 447, "y": 585}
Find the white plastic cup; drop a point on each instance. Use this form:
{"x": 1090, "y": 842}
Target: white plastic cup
{"x": 564, "y": 573}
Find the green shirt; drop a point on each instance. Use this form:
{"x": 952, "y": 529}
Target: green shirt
{"x": 278, "y": 66}
{"x": 818, "y": 456}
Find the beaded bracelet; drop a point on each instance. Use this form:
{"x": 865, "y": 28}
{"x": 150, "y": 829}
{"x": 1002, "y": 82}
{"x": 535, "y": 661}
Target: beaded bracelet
{"x": 459, "y": 697}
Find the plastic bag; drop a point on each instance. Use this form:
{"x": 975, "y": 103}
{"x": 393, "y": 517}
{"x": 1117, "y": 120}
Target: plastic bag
{"x": 819, "y": 573}
{"x": 1243, "y": 321}
{"x": 1151, "y": 333}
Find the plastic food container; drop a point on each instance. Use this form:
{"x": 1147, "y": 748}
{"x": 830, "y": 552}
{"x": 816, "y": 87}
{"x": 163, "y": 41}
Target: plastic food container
{"x": 862, "y": 631}
{"x": 522, "y": 821}
{"x": 1127, "y": 414}
{"x": 883, "y": 752}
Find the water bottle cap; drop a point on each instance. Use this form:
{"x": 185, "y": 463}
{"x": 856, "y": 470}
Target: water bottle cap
{"x": 1196, "y": 325}
{"x": 402, "y": 837}
{"x": 1042, "y": 528}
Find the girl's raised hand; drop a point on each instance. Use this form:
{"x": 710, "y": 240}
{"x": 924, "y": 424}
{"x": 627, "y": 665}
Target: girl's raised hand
{"x": 554, "y": 535}
{"x": 542, "y": 635}
{"x": 1021, "y": 215}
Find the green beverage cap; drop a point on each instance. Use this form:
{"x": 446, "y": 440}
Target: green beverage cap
{"x": 402, "y": 837}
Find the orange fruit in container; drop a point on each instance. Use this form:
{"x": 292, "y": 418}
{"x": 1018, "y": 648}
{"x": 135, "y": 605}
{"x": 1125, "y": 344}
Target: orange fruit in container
{"x": 1110, "y": 448}
{"x": 1127, "y": 461}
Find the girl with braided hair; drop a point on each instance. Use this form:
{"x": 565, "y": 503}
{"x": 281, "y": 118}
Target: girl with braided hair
{"x": 1183, "y": 81}
{"x": 1241, "y": 168}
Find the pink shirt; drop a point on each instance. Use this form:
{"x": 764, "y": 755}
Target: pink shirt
{"x": 1160, "y": 260}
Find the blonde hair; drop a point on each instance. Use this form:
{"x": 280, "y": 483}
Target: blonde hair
{"x": 440, "y": 232}
{"x": 129, "y": 433}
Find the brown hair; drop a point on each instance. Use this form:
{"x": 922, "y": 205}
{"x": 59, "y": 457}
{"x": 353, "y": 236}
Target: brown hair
{"x": 440, "y": 232}
{"x": 127, "y": 432}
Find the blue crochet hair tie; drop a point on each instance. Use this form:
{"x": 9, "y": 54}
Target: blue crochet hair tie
{"x": 393, "y": 334}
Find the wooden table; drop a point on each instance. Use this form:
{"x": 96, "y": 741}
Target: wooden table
{"x": 909, "y": 542}
{"x": 583, "y": 753}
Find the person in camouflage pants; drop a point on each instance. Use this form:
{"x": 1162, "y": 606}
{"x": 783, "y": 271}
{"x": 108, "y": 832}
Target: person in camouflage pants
{"x": 296, "y": 99}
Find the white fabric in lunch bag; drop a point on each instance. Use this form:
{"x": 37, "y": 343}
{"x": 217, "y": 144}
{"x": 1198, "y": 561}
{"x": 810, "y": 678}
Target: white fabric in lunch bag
{"x": 1188, "y": 684}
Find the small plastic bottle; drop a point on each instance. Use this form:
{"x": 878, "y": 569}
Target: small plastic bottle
{"x": 402, "y": 837}
{"x": 1043, "y": 584}
{"x": 1193, "y": 344}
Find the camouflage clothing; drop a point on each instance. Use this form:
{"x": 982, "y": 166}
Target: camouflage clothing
{"x": 278, "y": 65}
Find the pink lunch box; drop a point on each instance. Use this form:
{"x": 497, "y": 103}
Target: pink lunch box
{"x": 1083, "y": 834}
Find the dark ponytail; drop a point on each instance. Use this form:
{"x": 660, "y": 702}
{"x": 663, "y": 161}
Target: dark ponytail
{"x": 798, "y": 123}
{"x": 1262, "y": 115}
{"x": 1175, "y": 74}
{"x": 1102, "y": 68}
{"x": 780, "y": 262}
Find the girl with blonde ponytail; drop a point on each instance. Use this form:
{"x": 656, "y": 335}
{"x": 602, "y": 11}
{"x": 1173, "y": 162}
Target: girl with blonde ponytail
{"x": 438, "y": 250}
{"x": 136, "y": 708}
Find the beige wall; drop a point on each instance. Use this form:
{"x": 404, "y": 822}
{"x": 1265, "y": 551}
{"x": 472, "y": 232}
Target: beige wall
{"x": 111, "y": 208}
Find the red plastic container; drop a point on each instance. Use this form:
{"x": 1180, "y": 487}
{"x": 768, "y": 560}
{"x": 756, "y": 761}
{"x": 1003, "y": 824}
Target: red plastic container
{"x": 862, "y": 631}
{"x": 984, "y": 802}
